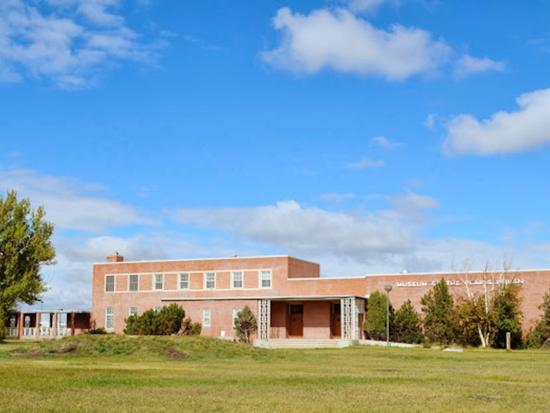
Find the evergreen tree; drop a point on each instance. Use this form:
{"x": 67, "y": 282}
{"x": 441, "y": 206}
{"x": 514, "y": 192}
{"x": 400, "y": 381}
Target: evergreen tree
{"x": 245, "y": 324}
{"x": 375, "y": 322}
{"x": 407, "y": 324}
{"x": 24, "y": 247}
{"x": 506, "y": 305}
{"x": 540, "y": 335}
{"x": 440, "y": 317}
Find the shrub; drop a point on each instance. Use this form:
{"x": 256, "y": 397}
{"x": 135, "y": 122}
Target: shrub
{"x": 245, "y": 324}
{"x": 407, "y": 324}
{"x": 440, "y": 317}
{"x": 165, "y": 322}
{"x": 97, "y": 331}
{"x": 375, "y": 322}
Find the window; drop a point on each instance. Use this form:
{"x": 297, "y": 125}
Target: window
{"x": 210, "y": 280}
{"x": 110, "y": 283}
{"x": 234, "y": 315}
{"x": 158, "y": 282}
{"x": 265, "y": 279}
{"x": 132, "y": 311}
{"x": 109, "y": 315}
{"x": 133, "y": 282}
{"x": 206, "y": 318}
{"x": 237, "y": 279}
{"x": 184, "y": 281}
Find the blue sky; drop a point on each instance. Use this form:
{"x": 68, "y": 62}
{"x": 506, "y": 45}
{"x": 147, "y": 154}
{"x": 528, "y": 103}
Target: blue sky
{"x": 369, "y": 135}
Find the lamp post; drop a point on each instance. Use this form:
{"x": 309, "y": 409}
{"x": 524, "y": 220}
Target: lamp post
{"x": 387, "y": 287}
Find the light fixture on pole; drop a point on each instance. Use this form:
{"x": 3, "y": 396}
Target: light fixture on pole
{"x": 387, "y": 287}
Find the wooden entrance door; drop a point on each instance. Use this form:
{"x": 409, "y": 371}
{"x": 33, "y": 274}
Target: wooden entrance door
{"x": 296, "y": 320}
{"x": 335, "y": 321}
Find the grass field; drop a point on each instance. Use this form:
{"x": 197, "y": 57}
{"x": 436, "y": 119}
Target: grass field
{"x": 100, "y": 374}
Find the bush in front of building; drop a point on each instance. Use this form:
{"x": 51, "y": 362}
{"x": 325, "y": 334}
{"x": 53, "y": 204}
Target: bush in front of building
{"x": 441, "y": 321}
{"x": 245, "y": 324}
{"x": 169, "y": 320}
{"x": 407, "y": 326}
{"x": 375, "y": 322}
{"x": 540, "y": 335}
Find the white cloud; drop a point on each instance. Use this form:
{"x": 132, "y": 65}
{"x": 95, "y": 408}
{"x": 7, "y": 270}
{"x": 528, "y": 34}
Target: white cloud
{"x": 430, "y": 121}
{"x": 307, "y": 230}
{"x": 384, "y": 142}
{"x": 339, "y": 40}
{"x": 468, "y": 65}
{"x": 367, "y": 163}
{"x": 69, "y": 42}
{"x": 503, "y": 132}
{"x": 71, "y": 204}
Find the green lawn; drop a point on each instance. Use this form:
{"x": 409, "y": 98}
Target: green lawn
{"x": 198, "y": 375}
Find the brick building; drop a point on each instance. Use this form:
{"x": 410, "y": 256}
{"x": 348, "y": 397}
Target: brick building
{"x": 287, "y": 295}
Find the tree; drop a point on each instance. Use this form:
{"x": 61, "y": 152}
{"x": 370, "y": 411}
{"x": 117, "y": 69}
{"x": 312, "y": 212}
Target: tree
{"x": 507, "y": 306}
{"x": 375, "y": 322}
{"x": 24, "y": 247}
{"x": 540, "y": 335}
{"x": 245, "y": 324}
{"x": 407, "y": 324}
{"x": 440, "y": 318}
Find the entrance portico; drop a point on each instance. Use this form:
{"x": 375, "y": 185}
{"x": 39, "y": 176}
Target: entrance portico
{"x": 320, "y": 318}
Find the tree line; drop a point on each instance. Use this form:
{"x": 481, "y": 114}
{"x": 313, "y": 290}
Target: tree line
{"x": 474, "y": 319}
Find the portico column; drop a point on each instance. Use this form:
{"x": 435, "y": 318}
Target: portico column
{"x": 264, "y": 318}
{"x": 348, "y": 309}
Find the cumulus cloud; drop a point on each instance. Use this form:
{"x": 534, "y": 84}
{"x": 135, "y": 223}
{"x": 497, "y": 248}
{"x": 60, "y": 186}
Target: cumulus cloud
{"x": 359, "y": 6}
{"x": 367, "y": 163}
{"x": 504, "y": 132}
{"x": 341, "y": 41}
{"x": 384, "y": 142}
{"x": 307, "y": 230}
{"x": 69, "y": 42}
{"x": 69, "y": 203}
{"x": 469, "y": 65}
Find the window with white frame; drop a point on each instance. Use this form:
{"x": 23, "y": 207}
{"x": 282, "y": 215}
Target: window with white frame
{"x": 206, "y": 318}
{"x": 109, "y": 283}
{"x": 158, "y": 282}
{"x": 265, "y": 279}
{"x": 109, "y": 316}
{"x": 210, "y": 280}
{"x": 133, "y": 282}
{"x": 234, "y": 315}
{"x": 132, "y": 311}
{"x": 237, "y": 279}
{"x": 184, "y": 281}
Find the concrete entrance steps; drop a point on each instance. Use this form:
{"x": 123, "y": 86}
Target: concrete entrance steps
{"x": 304, "y": 343}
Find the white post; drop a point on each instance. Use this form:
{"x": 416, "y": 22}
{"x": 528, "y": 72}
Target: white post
{"x": 264, "y": 319}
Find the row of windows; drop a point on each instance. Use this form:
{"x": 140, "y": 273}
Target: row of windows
{"x": 237, "y": 281}
{"x": 132, "y": 311}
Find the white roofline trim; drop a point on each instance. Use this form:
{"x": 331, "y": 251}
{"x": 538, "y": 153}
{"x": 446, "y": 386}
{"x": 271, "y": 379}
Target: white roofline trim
{"x": 199, "y": 259}
{"x": 435, "y": 273}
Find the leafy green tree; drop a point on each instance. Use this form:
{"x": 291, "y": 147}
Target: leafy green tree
{"x": 507, "y": 306}
{"x": 540, "y": 335}
{"x": 407, "y": 324}
{"x": 440, "y": 317}
{"x": 25, "y": 246}
{"x": 375, "y": 322}
{"x": 245, "y": 324}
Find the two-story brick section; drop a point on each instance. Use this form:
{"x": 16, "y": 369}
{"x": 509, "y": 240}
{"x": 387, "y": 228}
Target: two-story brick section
{"x": 287, "y": 295}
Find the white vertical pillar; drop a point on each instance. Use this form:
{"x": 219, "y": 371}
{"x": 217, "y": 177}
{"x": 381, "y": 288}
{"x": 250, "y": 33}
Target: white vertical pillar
{"x": 348, "y": 308}
{"x": 264, "y": 319}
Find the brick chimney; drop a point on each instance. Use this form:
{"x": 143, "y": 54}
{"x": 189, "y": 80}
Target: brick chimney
{"x": 115, "y": 258}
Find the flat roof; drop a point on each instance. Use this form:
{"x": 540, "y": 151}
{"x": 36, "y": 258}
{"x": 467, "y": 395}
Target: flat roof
{"x": 235, "y": 257}
{"x": 274, "y": 298}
